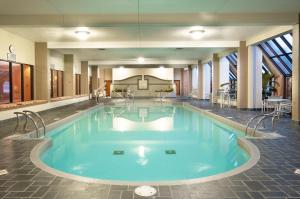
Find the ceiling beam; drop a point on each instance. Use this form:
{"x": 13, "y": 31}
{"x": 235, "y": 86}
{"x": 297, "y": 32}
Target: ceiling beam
{"x": 143, "y": 44}
{"x": 146, "y": 62}
{"x": 177, "y": 19}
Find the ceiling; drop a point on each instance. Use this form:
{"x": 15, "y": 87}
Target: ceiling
{"x": 131, "y": 33}
{"x": 163, "y": 23}
{"x": 149, "y": 53}
{"x": 36, "y": 7}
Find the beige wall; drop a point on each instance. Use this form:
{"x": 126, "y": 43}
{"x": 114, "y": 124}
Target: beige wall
{"x": 56, "y": 60}
{"x": 165, "y": 73}
{"x": 108, "y": 74}
{"x": 24, "y": 49}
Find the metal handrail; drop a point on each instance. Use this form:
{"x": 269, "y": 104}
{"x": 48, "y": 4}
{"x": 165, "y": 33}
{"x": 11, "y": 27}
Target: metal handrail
{"x": 26, "y": 116}
{"x": 261, "y": 120}
{"x": 255, "y": 117}
{"x": 38, "y": 116}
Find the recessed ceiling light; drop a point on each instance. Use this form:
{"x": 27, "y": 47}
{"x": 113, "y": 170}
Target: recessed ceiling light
{"x": 141, "y": 59}
{"x": 161, "y": 67}
{"x": 82, "y": 33}
{"x": 197, "y": 34}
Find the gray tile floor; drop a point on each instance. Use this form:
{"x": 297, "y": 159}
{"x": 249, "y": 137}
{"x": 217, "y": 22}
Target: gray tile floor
{"x": 272, "y": 177}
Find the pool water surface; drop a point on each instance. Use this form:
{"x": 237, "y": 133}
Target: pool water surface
{"x": 144, "y": 143}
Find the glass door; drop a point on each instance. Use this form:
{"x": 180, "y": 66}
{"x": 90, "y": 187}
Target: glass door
{"x": 4, "y": 83}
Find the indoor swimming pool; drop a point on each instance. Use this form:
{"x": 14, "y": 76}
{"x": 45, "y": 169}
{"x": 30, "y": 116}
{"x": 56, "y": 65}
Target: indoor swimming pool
{"x": 145, "y": 142}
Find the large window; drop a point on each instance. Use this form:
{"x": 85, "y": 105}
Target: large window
{"x": 232, "y": 58}
{"x": 279, "y": 50}
{"x": 4, "y": 83}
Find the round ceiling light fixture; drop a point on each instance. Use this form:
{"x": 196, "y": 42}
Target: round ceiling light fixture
{"x": 82, "y": 33}
{"x": 141, "y": 59}
{"x": 196, "y": 34}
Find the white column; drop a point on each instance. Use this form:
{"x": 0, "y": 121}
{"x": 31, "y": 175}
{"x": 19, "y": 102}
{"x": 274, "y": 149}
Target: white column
{"x": 254, "y": 77}
{"x": 224, "y": 70}
{"x": 296, "y": 74}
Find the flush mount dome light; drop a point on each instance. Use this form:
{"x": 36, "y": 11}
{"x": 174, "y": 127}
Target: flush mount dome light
{"x": 141, "y": 59}
{"x": 196, "y": 34}
{"x": 82, "y": 34}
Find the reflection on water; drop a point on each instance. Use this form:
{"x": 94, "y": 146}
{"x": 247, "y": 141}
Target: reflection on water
{"x": 145, "y": 135}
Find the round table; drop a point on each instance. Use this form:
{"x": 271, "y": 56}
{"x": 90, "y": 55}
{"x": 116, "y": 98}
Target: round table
{"x": 277, "y": 102}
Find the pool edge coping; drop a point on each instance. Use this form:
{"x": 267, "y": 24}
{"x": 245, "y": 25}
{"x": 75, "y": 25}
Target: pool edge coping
{"x": 248, "y": 146}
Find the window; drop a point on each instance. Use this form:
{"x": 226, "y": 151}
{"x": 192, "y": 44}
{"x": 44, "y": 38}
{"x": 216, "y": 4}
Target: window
{"x": 4, "y": 83}
{"x": 279, "y": 50}
{"x": 232, "y": 58}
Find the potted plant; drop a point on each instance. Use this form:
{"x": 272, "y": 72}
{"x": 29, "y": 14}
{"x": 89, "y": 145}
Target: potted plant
{"x": 268, "y": 85}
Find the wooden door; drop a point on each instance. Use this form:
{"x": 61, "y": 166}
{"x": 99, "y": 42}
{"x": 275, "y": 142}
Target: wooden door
{"x": 77, "y": 85}
{"x": 90, "y": 85}
{"x": 27, "y": 85}
{"x": 53, "y": 83}
{"x": 60, "y": 83}
{"x": 107, "y": 87}
{"x": 177, "y": 83}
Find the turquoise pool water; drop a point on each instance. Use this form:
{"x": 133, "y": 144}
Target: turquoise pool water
{"x": 144, "y": 142}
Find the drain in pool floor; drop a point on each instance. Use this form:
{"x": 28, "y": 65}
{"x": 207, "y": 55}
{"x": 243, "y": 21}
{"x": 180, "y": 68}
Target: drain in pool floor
{"x": 145, "y": 191}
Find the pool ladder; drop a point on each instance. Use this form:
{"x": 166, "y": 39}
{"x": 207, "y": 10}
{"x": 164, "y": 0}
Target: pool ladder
{"x": 30, "y": 115}
{"x": 261, "y": 119}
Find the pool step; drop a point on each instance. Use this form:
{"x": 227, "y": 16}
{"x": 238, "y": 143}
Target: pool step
{"x": 170, "y": 152}
{"x": 118, "y": 152}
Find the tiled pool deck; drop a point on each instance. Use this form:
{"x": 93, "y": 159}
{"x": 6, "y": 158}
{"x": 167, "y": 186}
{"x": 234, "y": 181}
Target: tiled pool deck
{"x": 272, "y": 177}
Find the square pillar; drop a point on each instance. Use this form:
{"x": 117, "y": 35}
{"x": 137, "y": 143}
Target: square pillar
{"x": 200, "y": 80}
{"x": 69, "y": 80}
{"x": 84, "y": 77}
{"x": 42, "y": 72}
{"x": 242, "y": 76}
{"x": 254, "y": 77}
{"x": 190, "y": 84}
{"x": 94, "y": 79}
{"x": 215, "y": 77}
{"x": 101, "y": 79}
{"x": 296, "y": 74}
